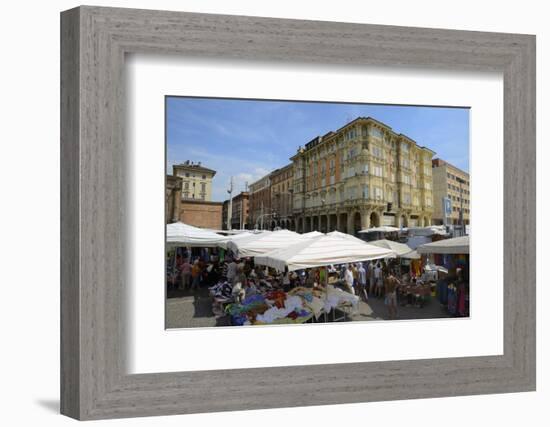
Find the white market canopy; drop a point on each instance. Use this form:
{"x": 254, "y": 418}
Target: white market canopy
{"x": 345, "y": 236}
{"x": 427, "y": 231}
{"x": 312, "y": 234}
{"x": 180, "y": 234}
{"x": 400, "y": 249}
{"x": 259, "y": 244}
{"x": 382, "y": 229}
{"x": 322, "y": 251}
{"x": 456, "y": 245}
{"x": 241, "y": 236}
{"x": 412, "y": 255}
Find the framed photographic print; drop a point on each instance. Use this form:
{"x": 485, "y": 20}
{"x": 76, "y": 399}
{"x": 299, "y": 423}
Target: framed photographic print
{"x": 256, "y": 195}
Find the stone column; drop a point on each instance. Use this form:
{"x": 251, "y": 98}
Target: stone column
{"x": 338, "y": 222}
{"x": 365, "y": 219}
{"x": 350, "y": 229}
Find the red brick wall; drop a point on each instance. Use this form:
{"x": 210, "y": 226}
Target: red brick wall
{"x": 204, "y": 215}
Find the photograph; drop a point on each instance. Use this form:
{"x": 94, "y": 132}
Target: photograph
{"x": 296, "y": 212}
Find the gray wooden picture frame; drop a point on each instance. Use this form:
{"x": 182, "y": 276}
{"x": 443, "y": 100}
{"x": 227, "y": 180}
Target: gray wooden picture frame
{"x": 94, "y": 41}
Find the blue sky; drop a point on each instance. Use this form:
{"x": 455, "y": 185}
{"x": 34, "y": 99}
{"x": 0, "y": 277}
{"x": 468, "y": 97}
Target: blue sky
{"x": 247, "y": 139}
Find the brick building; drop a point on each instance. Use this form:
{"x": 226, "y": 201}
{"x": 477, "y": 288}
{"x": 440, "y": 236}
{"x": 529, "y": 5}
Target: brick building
{"x": 282, "y": 187}
{"x": 173, "y": 198}
{"x": 240, "y": 211}
{"x": 261, "y": 214}
{"x": 201, "y": 214}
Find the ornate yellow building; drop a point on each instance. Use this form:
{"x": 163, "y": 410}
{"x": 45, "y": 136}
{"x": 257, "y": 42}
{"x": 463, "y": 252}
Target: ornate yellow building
{"x": 362, "y": 175}
{"x": 196, "y": 180}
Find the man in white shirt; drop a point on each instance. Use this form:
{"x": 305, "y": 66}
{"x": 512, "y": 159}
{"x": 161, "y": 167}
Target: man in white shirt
{"x": 362, "y": 282}
{"x": 348, "y": 280}
{"x": 378, "y": 279}
{"x": 231, "y": 271}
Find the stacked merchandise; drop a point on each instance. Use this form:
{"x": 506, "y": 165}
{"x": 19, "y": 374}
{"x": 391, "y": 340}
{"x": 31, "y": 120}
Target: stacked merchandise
{"x": 221, "y": 294}
{"x": 275, "y": 308}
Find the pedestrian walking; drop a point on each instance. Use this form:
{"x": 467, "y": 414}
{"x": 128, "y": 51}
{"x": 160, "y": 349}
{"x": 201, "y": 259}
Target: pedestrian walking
{"x": 195, "y": 275}
{"x": 186, "y": 274}
{"x": 348, "y": 279}
{"x": 378, "y": 279}
{"x": 372, "y": 280}
{"x": 363, "y": 282}
{"x": 390, "y": 300}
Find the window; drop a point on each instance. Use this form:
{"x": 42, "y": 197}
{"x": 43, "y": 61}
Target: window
{"x": 378, "y": 171}
{"x": 378, "y": 193}
{"x": 427, "y": 186}
{"x": 366, "y": 192}
{"x": 377, "y": 152}
{"x": 405, "y": 162}
{"x": 405, "y": 147}
{"x": 352, "y": 193}
{"x": 366, "y": 168}
{"x": 203, "y": 187}
{"x": 204, "y": 177}
{"x": 332, "y": 180}
{"x": 407, "y": 198}
{"x": 375, "y": 132}
{"x": 407, "y": 179}
{"x": 186, "y": 185}
{"x": 187, "y": 175}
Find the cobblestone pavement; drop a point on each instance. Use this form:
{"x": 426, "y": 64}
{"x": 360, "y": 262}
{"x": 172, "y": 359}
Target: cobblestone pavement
{"x": 186, "y": 309}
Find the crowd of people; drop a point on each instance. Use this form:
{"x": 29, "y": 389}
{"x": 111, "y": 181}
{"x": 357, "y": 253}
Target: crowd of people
{"x": 381, "y": 279}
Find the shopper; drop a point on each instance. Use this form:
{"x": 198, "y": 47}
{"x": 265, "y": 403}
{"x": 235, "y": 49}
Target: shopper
{"x": 231, "y": 271}
{"x": 363, "y": 282}
{"x": 378, "y": 279}
{"x": 186, "y": 274}
{"x": 372, "y": 280}
{"x": 391, "y": 284}
{"x": 348, "y": 279}
{"x": 195, "y": 275}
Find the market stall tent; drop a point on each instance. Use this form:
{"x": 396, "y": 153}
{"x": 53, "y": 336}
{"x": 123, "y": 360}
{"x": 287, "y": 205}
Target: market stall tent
{"x": 400, "y": 249}
{"x": 412, "y": 255}
{"x": 322, "y": 251}
{"x": 382, "y": 229}
{"x": 180, "y": 234}
{"x": 312, "y": 234}
{"x": 260, "y": 244}
{"x": 455, "y": 245}
{"x": 242, "y": 236}
{"x": 345, "y": 236}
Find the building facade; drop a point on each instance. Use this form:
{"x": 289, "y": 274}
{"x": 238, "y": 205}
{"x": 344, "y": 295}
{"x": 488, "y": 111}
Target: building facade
{"x": 196, "y": 180}
{"x": 454, "y": 184}
{"x": 362, "y": 175}
{"x": 282, "y": 188}
{"x": 173, "y": 198}
{"x": 201, "y": 214}
{"x": 240, "y": 211}
{"x": 260, "y": 212}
